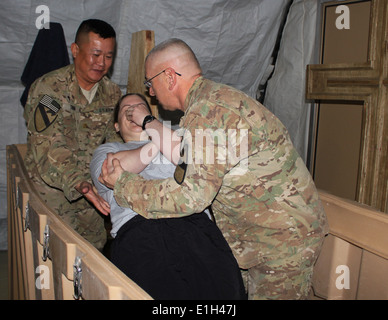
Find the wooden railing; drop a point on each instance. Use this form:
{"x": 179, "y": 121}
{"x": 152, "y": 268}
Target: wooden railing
{"x": 49, "y": 260}
{"x": 353, "y": 263}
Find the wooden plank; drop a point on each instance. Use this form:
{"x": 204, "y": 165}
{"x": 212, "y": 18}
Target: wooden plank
{"x": 373, "y": 282}
{"x": 101, "y": 280}
{"x": 16, "y": 291}
{"x": 27, "y": 241}
{"x": 30, "y": 264}
{"x": 335, "y": 253}
{"x": 44, "y": 283}
{"x": 355, "y": 246}
{"x": 142, "y": 42}
{"x": 356, "y": 223}
{"x": 19, "y": 232}
{"x": 62, "y": 254}
{"x": 9, "y": 157}
{"x": 17, "y": 246}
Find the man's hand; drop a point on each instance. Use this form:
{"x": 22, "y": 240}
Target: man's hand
{"x": 111, "y": 170}
{"x": 91, "y": 194}
{"x": 137, "y": 113}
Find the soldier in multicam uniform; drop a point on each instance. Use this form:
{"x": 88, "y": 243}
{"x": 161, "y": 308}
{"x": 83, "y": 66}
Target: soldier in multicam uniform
{"x": 264, "y": 201}
{"x": 69, "y": 113}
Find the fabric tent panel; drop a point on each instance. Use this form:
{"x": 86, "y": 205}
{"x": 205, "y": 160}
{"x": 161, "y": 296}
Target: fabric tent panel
{"x": 12, "y": 62}
{"x": 214, "y": 30}
{"x": 14, "y": 17}
{"x": 285, "y": 95}
{"x": 12, "y": 128}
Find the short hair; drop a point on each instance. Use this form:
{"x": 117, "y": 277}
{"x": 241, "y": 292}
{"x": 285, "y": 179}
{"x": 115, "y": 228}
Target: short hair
{"x": 178, "y": 43}
{"x": 117, "y": 107}
{"x": 102, "y": 28}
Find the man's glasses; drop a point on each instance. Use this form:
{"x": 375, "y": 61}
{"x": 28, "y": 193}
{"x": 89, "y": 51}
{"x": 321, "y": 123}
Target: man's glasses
{"x": 148, "y": 83}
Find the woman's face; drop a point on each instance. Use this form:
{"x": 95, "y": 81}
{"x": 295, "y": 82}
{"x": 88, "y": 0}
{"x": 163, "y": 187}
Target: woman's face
{"x": 128, "y": 129}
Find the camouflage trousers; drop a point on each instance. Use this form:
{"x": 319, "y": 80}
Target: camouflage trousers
{"x": 80, "y": 215}
{"x": 288, "y": 278}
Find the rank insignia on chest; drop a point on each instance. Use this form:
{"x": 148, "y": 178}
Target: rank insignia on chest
{"x": 45, "y": 113}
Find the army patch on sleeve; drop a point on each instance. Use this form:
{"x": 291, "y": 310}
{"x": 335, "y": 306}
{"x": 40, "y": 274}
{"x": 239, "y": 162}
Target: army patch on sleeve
{"x": 45, "y": 113}
{"x": 180, "y": 170}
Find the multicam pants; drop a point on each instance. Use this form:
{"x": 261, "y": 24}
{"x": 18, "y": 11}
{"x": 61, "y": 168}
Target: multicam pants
{"x": 282, "y": 279}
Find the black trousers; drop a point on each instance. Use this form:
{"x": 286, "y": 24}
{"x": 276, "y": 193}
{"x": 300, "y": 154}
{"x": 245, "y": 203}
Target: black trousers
{"x": 178, "y": 258}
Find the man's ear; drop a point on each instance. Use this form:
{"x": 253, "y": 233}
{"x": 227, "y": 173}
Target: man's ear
{"x": 171, "y": 77}
{"x": 117, "y": 127}
{"x": 74, "y": 49}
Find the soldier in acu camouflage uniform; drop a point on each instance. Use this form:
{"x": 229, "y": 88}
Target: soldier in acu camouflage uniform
{"x": 68, "y": 114}
{"x": 263, "y": 199}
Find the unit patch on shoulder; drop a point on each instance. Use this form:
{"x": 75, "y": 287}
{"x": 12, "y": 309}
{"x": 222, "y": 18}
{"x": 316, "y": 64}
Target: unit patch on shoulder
{"x": 180, "y": 170}
{"x": 45, "y": 113}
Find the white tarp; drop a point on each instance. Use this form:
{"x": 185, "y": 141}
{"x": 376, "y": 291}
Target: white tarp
{"x": 233, "y": 39}
{"x": 285, "y": 95}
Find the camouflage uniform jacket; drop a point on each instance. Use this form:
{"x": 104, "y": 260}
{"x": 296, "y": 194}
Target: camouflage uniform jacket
{"x": 64, "y": 128}
{"x": 263, "y": 199}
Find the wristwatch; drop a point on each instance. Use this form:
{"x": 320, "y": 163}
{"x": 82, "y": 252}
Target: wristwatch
{"x": 147, "y": 119}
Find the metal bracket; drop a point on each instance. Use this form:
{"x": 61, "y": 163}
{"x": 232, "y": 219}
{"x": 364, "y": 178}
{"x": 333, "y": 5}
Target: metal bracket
{"x": 46, "y": 236}
{"x": 77, "y": 278}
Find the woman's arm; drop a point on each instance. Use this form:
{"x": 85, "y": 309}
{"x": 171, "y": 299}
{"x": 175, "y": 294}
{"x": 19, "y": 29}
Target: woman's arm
{"x": 166, "y": 140}
{"x": 136, "y": 160}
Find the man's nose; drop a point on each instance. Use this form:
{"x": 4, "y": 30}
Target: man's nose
{"x": 101, "y": 60}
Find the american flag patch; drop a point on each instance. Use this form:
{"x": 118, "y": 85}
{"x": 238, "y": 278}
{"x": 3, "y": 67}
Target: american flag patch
{"x": 50, "y": 103}
{"x": 45, "y": 113}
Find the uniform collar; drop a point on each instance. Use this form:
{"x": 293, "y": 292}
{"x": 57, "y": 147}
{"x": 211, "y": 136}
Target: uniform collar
{"x": 191, "y": 94}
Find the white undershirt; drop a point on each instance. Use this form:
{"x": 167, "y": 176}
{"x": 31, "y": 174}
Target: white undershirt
{"x": 89, "y": 94}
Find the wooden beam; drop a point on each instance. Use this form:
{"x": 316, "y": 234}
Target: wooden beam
{"x": 142, "y": 42}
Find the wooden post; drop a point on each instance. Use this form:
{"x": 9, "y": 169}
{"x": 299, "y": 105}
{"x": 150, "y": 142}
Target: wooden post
{"x": 142, "y": 42}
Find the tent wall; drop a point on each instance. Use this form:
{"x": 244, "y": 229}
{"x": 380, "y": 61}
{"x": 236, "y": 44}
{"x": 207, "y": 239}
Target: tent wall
{"x": 234, "y": 42}
{"x": 285, "y": 94}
